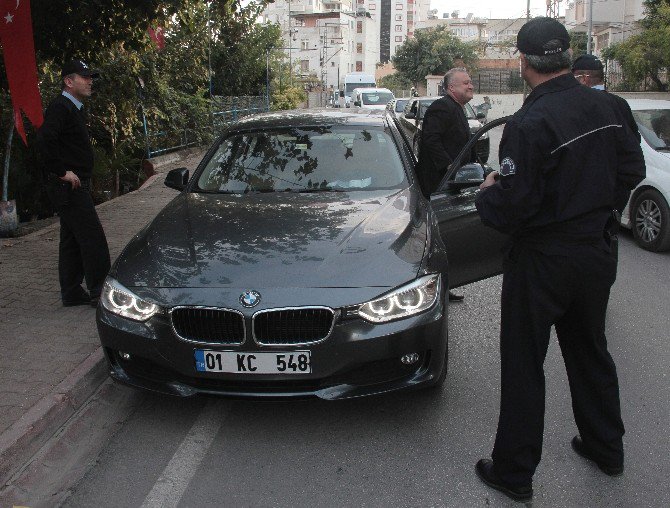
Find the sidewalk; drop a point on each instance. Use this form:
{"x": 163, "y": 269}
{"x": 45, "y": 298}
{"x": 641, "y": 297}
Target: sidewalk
{"x": 50, "y": 356}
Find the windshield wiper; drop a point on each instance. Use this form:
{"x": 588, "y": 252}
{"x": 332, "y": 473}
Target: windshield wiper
{"x": 325, "y": 189}
{"x": 662, "y": 149}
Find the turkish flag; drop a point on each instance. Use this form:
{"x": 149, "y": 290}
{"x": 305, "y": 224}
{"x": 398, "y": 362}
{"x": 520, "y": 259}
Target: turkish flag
{"x": 18, "y": 48}
{"x": 158, "y": 36}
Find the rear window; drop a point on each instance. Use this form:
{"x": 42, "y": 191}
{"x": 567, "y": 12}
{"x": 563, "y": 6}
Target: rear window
{"x": 654, "y": 125}
{"x": 400, "y": 105}
{"x": 376, "y": 98}
{"x": 304, "y": 160}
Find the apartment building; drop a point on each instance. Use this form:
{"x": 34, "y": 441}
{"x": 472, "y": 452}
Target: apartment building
{"x": 613, "y": 20}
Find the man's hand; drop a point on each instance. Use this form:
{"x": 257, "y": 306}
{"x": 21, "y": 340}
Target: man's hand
{"x": 490, "y": 180}
{"x": 72, "y": 178}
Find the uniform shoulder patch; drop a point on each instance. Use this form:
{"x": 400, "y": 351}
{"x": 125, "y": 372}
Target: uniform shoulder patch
{"x": 507, "y": 167}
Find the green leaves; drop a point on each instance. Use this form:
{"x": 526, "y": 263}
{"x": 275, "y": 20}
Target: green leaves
{"x": 432, "y": 51}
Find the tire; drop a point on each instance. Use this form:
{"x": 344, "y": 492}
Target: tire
{"x": 650, "y": 221}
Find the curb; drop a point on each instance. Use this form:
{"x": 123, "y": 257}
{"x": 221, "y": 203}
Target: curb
{"x": 26, "y": 436}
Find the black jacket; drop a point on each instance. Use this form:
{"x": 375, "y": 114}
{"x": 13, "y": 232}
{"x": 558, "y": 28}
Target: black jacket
{"x": 445, "y": 131}
{"x": 63, "y": 139}
{"x": 567, "y": 158}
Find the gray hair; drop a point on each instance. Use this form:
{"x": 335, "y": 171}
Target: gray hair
{"x": 62, "y": 81}
{"x": 449, "y": 76}
{"x": 548, "y": 64}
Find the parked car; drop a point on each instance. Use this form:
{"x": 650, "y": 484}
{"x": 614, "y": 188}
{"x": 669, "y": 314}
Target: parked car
{"x": 411, "y": 124}
{"x": 397, "y": 106}
{"x": 299, "y": 259}
{"x": 647, "y": 213}
{"x": 371, "y": 98}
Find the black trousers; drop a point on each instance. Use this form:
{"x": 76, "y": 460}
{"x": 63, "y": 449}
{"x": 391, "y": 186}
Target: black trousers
{"x": 570, "y": 292}
{"x": 83, "y": 250}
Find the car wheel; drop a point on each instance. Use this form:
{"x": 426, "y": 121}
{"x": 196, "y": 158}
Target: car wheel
{"x": 650, "y": 221}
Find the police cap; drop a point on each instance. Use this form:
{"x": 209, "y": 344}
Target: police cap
{"x": 542, "y": 36}
{"x": 587, "y": 63}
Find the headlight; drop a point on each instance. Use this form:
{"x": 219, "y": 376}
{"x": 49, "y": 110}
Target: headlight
{"x": 414, "y": 298}
{"x": 120, "y": 300}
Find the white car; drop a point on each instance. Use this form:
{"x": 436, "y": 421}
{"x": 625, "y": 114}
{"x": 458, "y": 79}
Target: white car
{"x": 371, "y": 98}
{"x": 647, "y": 213}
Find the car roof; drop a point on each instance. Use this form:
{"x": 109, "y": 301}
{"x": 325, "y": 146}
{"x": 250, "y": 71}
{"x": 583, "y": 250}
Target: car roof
{"x": 309, "y": 117}
{"x": 372, "y": 89}
{"x": 642, "y": 104}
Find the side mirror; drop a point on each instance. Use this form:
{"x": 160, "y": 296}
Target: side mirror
{"x": 410, "y": 115}
{"x": 468, "y": 175}
{"x": 177, "y": 179}
{"x": 357, "y": 103}
{"x": 481, "y": 116}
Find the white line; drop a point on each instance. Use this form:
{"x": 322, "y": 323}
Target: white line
{"x": 585, "y": 134}
{"x": 179, "y": 472}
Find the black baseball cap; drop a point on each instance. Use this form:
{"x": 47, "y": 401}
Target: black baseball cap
{"x": 542, "y": 36}
{"x": 587, "y": 63}
{"x": 79, "y": 67}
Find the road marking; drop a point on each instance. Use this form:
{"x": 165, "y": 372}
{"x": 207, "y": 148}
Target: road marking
{"x": 179, "y": 472}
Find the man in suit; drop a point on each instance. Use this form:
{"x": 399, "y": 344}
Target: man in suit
{"x": 445, "y": 132}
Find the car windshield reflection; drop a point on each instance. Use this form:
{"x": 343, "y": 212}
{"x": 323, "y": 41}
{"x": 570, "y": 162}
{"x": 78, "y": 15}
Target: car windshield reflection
{"x": 654, "y": 126}
{"x": 304, "y": 160}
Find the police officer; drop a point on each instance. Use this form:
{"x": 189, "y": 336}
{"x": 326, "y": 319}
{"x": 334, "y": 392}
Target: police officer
{"x": 563, "y": 157}
{"x": 68, "y": 156}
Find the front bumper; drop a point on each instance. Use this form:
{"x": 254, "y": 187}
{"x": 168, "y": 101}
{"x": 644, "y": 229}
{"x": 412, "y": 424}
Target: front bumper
{"x": 357, "y": 359}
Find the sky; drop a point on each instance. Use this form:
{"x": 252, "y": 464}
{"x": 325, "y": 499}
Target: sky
{"x": 493, "y": 8}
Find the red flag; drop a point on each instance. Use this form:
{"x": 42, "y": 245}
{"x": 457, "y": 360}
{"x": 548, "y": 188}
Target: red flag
{"x": 157, "y": 36}
{"x": 18, "y": 48}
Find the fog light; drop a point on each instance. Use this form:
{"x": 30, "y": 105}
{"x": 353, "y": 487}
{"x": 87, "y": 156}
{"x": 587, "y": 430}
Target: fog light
{"x": 410, "y": 358}
{"x": 125, "y": 356}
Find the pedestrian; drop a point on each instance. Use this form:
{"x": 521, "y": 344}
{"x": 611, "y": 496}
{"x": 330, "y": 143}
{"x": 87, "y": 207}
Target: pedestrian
{"x": 445, "y": 131}
{"x": 563, "y": 158}
{"x": 67, "y": 153}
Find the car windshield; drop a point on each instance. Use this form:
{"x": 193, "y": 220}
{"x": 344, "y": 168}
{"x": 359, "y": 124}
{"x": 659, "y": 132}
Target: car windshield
{"x": 305, "y": 159}
{"x": 470, "y": 112}
{"x": 376, "y": 98}
{"x": 654, "y": 125}
{"x": 400, "y": 105}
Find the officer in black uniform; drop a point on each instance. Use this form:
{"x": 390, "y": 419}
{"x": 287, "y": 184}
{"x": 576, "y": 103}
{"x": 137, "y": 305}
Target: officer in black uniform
{"x": 566, "y": 160}
{"x": 68, "y": 157}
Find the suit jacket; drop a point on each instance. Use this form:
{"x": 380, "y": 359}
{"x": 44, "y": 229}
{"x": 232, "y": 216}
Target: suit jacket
{"x": 444, "y": 133}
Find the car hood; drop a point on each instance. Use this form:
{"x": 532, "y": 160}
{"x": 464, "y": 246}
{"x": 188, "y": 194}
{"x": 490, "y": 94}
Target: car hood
{"x": 356, "y": 239}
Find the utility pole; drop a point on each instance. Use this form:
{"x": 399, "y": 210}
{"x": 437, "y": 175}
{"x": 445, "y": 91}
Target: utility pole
{"x": 590, "y": 31}
{"x": 525, "y": 85}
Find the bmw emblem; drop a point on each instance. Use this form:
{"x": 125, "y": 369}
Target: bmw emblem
{"x": 250, "y": 299}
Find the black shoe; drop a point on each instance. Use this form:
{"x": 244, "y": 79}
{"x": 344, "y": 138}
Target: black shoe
{"x": 455, "y": 298}
{"x": 580, "y": 448}
{"x": 484, "y": 470}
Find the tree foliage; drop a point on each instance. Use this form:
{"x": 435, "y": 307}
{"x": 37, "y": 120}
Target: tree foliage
{"x": 395, "y": 81}
{"x": 432, "y": 51}
{"x": 646, "y": 55}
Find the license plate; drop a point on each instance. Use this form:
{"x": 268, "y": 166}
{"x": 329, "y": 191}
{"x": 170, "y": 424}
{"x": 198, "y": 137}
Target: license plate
{"x": 234, "y": 362}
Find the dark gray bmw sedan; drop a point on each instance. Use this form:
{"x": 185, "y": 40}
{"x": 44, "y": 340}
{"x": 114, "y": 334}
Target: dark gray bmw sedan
{"x": 300, "y": 259}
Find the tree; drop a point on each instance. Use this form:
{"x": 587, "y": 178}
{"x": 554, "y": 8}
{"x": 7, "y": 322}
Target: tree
{"x": 646, "y": 55}
{"x": 578, "y": 44}
{"x": 432, "y": 51}
{"x": 395, "y": 81}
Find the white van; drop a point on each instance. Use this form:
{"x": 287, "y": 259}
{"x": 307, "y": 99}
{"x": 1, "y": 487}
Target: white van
{"x": 371, "y": 98}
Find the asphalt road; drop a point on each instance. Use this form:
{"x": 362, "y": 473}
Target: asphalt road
{"x": 407, "y": 449}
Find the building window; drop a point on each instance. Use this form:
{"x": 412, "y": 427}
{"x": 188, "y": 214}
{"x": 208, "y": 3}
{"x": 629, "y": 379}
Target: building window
{"x": 359, "y": 66}
{"x": 398, "y": 38}
{"x": 398, "y": 7}
{"x": 359, "y": 47}
{"x": 372, "y": 7}
{"x": 359, "y": 27}
{"x": 304, "y": 44}
{"x": 332, "y": 63}
{"x": 361, "y": 1}
{"x": 398, "y": 17}
{"x": 398, "y": 28}
{"x": 304, "y": 65}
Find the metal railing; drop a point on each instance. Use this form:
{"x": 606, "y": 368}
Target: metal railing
{"x": 224, "y": 110}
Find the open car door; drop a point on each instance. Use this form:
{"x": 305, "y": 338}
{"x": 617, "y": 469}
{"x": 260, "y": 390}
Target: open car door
{"x": 474, "y": 250}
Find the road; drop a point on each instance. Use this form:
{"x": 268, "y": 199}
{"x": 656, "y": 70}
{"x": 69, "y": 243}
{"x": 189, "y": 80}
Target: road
{"x": 406, "y": 449}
